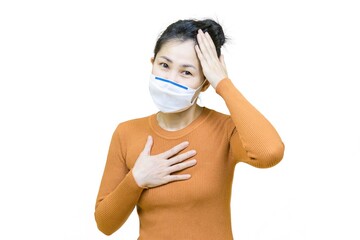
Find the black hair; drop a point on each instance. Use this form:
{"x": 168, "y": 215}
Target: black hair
{"x": 184, "y": 30}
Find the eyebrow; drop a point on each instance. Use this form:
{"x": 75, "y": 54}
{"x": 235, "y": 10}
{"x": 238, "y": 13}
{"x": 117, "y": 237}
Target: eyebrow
{"x": 183, "y": 65}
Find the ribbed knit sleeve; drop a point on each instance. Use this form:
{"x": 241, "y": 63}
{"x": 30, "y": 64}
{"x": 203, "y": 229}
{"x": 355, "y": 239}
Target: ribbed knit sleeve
{"x": 254, "y": 140}
{"x": 118, "y": 193}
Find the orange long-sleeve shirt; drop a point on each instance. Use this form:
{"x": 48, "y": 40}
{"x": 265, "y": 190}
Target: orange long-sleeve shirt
{"x": 198, "y": 208}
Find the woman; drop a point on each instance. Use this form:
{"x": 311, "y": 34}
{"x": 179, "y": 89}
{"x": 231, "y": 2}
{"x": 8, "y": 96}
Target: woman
{"x": 176, "y": 166}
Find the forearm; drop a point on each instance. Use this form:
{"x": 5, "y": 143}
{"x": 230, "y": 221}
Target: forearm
{"x": 114, "y": 209}
{"x": 262, "y": 143}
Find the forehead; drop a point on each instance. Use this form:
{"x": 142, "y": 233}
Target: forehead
{"x": 179, "y": 51}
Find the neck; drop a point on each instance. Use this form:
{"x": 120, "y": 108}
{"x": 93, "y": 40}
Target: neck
{"x": 177, "y": 121}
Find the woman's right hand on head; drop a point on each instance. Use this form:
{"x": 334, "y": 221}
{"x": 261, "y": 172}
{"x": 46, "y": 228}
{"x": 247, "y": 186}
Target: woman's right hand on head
{"x": 155, "y": 170}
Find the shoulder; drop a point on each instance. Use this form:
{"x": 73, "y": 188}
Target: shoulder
{"x": 220, "y": 119}
{"x": 218, "y": 116}
{"x": 219, "y": 124}
{"x": 132, "y": 125}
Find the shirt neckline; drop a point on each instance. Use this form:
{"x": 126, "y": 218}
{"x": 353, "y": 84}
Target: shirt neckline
{"x": 178, "y": 133}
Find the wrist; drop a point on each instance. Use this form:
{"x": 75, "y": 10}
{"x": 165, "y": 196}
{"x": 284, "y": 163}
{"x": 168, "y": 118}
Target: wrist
{"x": 214, "y": 84}
{"x": 138, "y": 180}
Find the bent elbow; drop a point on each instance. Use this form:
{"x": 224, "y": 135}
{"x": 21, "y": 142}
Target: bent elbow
{"x": 105, "y": 230}
{"x": 273, "y": 156}
{"x": 104, "y": 226}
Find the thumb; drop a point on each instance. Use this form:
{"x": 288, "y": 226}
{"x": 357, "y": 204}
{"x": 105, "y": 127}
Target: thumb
{"x": 148, "y": 145}
{"x": 222, "y": 60}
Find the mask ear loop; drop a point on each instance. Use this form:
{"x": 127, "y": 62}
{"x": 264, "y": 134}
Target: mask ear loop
{"x": 197, "y": 92}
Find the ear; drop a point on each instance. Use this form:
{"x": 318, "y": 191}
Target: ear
{"x": 152, "y": 59}
{"x": 205, "y": 86}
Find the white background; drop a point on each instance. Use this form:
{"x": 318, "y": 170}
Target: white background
{"x": 70, "y": 71}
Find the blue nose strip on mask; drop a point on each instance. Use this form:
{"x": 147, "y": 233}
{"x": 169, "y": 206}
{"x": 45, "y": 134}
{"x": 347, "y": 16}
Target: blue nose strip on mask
{"x": 171, "y": 82}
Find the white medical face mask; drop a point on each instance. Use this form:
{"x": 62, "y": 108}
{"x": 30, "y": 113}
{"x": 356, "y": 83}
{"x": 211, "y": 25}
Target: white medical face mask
{"x": 171, "y": 97}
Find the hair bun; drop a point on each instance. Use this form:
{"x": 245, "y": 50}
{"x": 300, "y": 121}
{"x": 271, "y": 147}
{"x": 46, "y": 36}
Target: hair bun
{"x": 215, "y": 30}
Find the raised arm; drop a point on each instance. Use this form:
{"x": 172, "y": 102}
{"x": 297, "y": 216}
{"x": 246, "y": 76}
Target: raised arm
{"x": 254, "y": 140}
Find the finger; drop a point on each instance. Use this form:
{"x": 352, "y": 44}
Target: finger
{"x": 171, "y": 152}
{"x": 148, "y": 145}
{"x": 201, "y": 40}
{"x": 210, "y": 43}
{"x": 181, "y": 157}
{"x": 201, "y": 57}
{"x": 206, "y": 43}
{"x": 199, "y": 53}
{"x": 181, "y": 166}
{"x": 180, "y": 177}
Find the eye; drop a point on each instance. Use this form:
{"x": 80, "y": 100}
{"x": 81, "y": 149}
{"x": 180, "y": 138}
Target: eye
{"x": 164, "y": 65}
{"x": 187, "y": 73}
